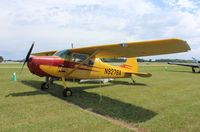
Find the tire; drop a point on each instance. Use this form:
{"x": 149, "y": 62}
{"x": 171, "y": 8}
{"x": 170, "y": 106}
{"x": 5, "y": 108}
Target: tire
{"x": 44, "y": 86}
{"x": 67, "y": 92}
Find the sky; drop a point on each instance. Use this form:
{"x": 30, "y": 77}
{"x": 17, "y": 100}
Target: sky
{"x": 55, "y": 24}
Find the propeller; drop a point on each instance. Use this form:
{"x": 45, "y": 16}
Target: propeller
{"x": 27, "y": 56}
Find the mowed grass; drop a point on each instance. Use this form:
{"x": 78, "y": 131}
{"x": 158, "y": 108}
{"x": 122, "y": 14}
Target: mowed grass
{"x": 168, "y": 101}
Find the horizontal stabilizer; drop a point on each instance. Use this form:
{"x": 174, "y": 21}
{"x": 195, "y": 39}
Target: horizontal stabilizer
{"x": 142, "y": 74}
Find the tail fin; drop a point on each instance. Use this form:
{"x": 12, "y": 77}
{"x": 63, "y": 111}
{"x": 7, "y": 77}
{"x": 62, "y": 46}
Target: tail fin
{"x": 131, "y": 64}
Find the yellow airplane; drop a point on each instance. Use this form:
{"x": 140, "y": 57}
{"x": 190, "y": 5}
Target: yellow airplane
{"x": 85, "y": 63}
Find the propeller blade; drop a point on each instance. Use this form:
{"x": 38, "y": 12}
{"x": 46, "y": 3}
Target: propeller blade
{"x": 27, "y": 56}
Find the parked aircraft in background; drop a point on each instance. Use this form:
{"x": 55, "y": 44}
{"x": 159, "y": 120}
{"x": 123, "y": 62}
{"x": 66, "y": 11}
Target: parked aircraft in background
{"x": 194, "y": 65}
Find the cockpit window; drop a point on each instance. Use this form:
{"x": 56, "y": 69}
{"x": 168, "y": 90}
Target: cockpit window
{"x": 78, "y": 57}
{"x": 65, "y": 54}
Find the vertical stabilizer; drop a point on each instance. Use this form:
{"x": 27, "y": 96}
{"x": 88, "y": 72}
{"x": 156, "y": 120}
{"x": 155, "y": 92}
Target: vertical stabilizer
{"x": 131, "y": 64}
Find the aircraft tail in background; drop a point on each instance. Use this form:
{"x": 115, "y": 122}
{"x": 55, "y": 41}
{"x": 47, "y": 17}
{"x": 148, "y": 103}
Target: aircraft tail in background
{"x": 196, "y": 61}
{"x": 192, "y": 65}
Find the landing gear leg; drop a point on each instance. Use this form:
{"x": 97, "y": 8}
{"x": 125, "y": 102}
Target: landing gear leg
{"x": 46, "y": 84}
{"x": 193, "y": 69}
{"x": 66, "y": 91}
{"x": 51, "y": 80}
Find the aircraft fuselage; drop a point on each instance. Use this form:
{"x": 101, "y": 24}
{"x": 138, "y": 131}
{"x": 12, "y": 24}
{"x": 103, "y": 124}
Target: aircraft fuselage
{"x": 53, "y": 66}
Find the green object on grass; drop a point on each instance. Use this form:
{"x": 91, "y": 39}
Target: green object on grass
{"x": 14, "y": 77}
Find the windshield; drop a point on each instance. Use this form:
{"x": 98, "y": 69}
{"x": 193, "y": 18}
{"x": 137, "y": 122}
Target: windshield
{"x": 63, "y": 54}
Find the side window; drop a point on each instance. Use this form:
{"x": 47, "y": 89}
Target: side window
{"x": 78, "y": 57}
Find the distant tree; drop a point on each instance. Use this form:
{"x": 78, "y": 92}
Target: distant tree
{"x": 143, "y": 60}
{"x": 173, "y": 60}
{"x": 1, "y": 59}
{"x": 140, "y": 60}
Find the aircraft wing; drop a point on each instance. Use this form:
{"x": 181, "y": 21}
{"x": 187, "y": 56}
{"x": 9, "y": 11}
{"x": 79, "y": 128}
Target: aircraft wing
{"x": 47, "y": 53}
{"x": 184, "y": 64}
{"x": 136, "y": 49}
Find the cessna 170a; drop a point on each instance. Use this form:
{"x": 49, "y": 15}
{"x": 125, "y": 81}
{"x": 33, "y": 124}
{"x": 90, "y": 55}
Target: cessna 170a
{"x": 194, "y": 65}
{"x": 84, "y": 63}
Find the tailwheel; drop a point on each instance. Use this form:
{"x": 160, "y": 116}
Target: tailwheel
{"x": 134, "y": 82}
{"x": 44, "y": 86}
{"x": 67, "y": 92}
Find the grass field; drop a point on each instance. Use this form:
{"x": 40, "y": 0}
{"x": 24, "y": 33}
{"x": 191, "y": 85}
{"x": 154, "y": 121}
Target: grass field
{"x": 168, "y": 101}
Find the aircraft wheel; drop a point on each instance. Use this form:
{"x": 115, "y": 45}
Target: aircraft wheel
{"x": 44, "y": 86}
{"x": 67, "y": 92}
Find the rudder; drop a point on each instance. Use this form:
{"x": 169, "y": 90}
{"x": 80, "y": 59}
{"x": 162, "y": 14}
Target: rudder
{"x": 131, "y": 64}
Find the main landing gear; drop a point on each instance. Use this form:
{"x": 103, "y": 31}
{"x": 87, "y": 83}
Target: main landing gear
{"x": 44, "y": 86}
{"x": 134, "y": 82}
{"x": 193, "y": 70}
{"x": 66, "y": 91}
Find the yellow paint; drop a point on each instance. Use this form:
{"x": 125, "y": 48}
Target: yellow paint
{"x": 136, "y": 49}
{"x": 131, "y": 49}
{"x": 128, "y": 50}
{"x": 95, "y": 71}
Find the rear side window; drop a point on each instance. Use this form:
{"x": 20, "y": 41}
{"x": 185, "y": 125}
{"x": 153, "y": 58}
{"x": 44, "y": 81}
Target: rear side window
{"x": 78, "y": 57}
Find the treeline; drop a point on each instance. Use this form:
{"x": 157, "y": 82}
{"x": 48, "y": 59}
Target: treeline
{"x": 1, "y": 59}
{"x": 146, "y": 60}
{"x": 9, "y": 60}
{"x": 164, "y": 60}
{"x": 174, "y": 60}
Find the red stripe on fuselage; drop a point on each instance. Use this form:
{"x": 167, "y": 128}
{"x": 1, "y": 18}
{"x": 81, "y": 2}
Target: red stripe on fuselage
{"x": 35, "y": 62}
{"x": 126, "y": 66}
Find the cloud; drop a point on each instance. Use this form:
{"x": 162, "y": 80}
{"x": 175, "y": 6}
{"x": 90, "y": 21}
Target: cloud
{"x": 182, "y": 4}
{"x": 55, "y": 24}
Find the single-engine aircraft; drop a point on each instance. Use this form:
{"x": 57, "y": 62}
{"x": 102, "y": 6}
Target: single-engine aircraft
{"x": 85, "y": 63}
{"x": 192, "y": 65}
